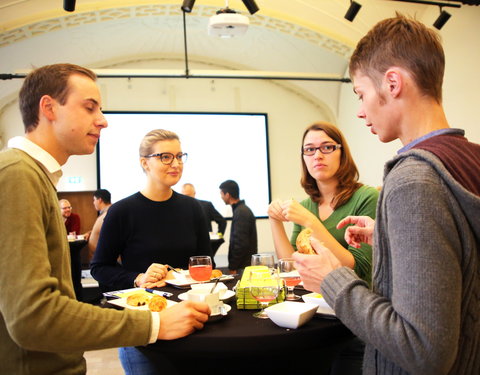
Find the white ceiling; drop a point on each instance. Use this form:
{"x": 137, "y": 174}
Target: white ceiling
{"x": 307, "y": 36}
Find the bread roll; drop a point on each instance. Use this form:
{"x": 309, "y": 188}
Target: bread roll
{"x": 303, "y": 242}
{"x": 157, "y": 303}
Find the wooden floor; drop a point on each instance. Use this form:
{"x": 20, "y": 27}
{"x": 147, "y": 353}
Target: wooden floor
{"x": 103, "y": 362}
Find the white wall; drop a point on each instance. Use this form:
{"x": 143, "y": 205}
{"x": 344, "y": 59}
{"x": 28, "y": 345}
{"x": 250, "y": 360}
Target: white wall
{"x": 461, "y": 97}
{"x": 289, "y": 112}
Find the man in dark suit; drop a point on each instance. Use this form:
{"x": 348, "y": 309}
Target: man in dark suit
{"x": 211, "y": 214}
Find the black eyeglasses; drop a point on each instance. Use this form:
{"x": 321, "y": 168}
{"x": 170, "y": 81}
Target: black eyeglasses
{"x": 167, "y": 157}
{"x": 324, "y": 149}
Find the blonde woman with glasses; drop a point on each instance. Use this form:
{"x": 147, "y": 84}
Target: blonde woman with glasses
{"x": 148, "y": 230}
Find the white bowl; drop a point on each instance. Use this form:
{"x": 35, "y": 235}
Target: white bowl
{"x": 290, "y": 314}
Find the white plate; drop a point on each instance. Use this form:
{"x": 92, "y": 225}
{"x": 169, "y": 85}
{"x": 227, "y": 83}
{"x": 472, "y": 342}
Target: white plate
{"x": 122, "y": 302}
{"x": 228, "y": 294}
{"x": 323, "y": 306}
{"x": 218, "y": 316}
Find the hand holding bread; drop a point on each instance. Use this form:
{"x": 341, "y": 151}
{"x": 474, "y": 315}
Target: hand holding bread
{"x": 303, "y": 243}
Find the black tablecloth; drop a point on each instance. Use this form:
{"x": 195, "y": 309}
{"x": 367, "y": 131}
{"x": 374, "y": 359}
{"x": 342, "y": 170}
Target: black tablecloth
{"x": 247, "y": 344}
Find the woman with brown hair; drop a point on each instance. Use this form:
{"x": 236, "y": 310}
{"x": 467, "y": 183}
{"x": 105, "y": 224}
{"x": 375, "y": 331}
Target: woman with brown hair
{"x": 330, "y": 178}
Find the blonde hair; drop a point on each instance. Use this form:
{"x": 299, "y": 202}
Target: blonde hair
{"x": 154, "y": 136}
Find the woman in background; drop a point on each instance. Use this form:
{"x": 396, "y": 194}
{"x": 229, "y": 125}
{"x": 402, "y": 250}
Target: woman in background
{"x": 150, "y": 229}
{"x": 330, "y": 178}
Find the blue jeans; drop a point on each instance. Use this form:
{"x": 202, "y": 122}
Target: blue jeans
{"x": 141, "y": 361}
{"x": 135, "y": 363}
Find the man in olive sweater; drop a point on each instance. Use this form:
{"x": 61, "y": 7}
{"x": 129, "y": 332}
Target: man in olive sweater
{"x": 43, "y": 328}
{"x": 421, "y": 317}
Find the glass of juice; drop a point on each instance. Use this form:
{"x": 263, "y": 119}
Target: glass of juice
{"x": 264, "y": 287}
{"x": 200, "y": 268}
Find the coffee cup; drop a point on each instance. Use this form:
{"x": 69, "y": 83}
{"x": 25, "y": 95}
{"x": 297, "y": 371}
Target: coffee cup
{"x": 202, "y": 295}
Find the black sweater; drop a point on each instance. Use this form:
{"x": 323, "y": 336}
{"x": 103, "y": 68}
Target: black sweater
{"x": 143, "y": 232}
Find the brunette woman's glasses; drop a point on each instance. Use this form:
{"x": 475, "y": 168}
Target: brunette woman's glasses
{"x": 324, "y": 149}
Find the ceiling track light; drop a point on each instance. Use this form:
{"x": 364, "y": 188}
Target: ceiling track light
{"x": 352, "y": 11}
{"x": 442, "y": 19}
{"x": 187, "y": 5}
{"x": 69, "y": 5}
{"x": 251, "y": 6}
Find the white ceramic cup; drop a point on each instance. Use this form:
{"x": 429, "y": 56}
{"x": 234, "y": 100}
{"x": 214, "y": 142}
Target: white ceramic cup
{"x": 202, "y": 295}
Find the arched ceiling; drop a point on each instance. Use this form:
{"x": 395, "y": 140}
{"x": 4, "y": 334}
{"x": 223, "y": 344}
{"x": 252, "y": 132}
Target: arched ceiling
{"x": 303, "y": 36}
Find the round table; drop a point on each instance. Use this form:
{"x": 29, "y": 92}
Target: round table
{"x": 239, "y": 340}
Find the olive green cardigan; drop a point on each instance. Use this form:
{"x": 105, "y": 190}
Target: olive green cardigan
{"x": 43, "y": 329}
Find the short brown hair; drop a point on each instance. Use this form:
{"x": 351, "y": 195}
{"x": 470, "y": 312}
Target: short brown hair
{"x": 406, "y": 43}
{"x": 49, "y": 80}
{"x": 347, "y": 173}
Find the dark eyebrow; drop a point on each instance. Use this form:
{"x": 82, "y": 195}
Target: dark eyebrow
{"x": 95, "y": 102}
{"x": 323, "y": 143}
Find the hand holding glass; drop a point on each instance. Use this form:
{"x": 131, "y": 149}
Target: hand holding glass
{"x": 290, "y": 277}
{"x": 264, "y": 287}
{"x": 200, "y": 268}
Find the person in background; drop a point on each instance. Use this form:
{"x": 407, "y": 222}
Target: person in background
{"x": 209, "y": 210}
{"x": 243, "y": 233}
{"x": 44, "y": 329}
{"x": 148, "y": 230}
{"x": 71, "y": 219}
{"x": 330, "y": 178}
{"x": 421, "y": 317}
{"x": 210, "y": 213}
{"x": 101, "y": 202}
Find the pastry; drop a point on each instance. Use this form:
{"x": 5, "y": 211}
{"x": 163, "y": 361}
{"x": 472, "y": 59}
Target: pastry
{"x": 137, "y": 299}
{"x": 157, "y": 303}
{"x": 216, "y": 273}
{"x": 303, "y": 242}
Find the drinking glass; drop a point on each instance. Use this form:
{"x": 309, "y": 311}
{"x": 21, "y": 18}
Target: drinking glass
{"x": 200, "y": 268}
{"x": 263, "y": 259}
{"x": 290, "y": 277}
{"x": 264, "y": 287}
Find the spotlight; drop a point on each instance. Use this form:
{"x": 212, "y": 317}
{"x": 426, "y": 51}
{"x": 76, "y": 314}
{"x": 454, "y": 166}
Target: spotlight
{"x": 69, "y": 5}
{"x": 352, "y": 11}
{"x": 442, "y": 19}
{"x": 251, "y": 6}
{"x": 187, "y": 5}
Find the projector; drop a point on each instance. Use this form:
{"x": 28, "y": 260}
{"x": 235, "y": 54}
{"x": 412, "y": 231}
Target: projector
{"x": 227, "y": 25}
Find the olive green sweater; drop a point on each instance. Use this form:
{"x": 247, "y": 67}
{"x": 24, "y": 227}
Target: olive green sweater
{"x": 43, "y": 329}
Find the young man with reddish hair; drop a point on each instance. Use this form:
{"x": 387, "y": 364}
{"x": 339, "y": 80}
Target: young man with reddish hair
{"x": 421, "y": 317}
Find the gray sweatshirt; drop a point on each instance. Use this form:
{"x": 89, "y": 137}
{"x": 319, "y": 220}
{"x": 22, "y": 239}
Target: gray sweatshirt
{"x": 423, "y": 314}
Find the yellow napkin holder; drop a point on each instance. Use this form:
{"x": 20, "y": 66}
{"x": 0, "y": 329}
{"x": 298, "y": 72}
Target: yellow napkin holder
{"x": 245, "y": 300}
